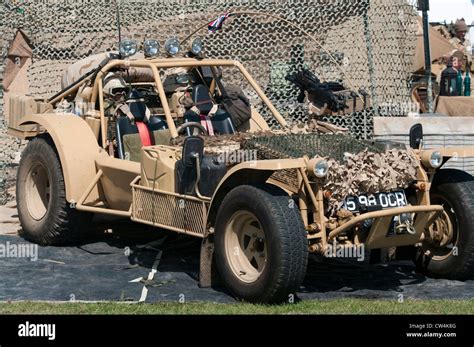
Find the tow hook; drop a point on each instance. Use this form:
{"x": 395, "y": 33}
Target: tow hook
{"x": 405, "y": 224}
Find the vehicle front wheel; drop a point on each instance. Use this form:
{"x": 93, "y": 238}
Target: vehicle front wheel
{"x": 260, "y": 244}
{"x": 448, "y": 248}
{"x": 45, "y": 215}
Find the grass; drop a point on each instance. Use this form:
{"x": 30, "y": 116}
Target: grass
{"x": 342, "y": 306}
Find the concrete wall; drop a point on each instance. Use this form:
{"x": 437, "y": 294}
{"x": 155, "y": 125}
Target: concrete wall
{"x": 439, "y": 132}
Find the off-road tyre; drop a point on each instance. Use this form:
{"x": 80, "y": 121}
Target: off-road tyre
{"x": 454, "y": 190}
{"x": 45, "y": 215}
{"x": 278, "y": 233}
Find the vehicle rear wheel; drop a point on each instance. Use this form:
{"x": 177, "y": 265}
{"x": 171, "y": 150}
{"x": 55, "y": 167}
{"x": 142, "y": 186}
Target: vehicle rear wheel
{"x": 260, "y": 244}
{"x": 448, "y": 249}
{"x": 45, "y": 215}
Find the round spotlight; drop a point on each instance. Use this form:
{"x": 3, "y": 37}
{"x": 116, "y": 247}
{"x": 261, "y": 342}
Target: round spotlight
{"x": 318, "y": 167}
{"x": 196, "y": 46}
{"x": 172, "y": 46}
{"x": 128, "y": 48}
{"x": 151, "y": 48}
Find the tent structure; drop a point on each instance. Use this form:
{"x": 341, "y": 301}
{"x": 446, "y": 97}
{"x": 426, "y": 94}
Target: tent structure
{"x": 19, "y": 55}
{"x": 15, "y": 77}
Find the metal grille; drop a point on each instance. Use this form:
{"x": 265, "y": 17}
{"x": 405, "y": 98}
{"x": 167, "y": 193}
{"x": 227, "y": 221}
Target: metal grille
{"x": 288, "y": 177}
{"x": 170, "y": 211}
{"x": 372, "y": 42}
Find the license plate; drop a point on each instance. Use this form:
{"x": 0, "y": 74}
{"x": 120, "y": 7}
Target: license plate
{"x": 378, "y": 201}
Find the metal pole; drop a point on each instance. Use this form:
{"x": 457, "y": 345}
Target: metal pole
{"x": 372, "y": 77}
{"x": 424, "y": 7}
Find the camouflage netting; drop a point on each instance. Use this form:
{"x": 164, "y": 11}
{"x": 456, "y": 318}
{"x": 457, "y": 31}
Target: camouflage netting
{"x": 372, "y": 41}
{"x": 369, "y": 172}
{"x": 355, "y": 166}
{"x": 299, "y": 145}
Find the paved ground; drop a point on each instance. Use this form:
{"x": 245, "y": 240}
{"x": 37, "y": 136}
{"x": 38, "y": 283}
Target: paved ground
{"x": 115, "y": 268}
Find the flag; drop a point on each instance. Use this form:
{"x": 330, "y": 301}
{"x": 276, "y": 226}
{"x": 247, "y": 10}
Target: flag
{"x": 216, "y": 25}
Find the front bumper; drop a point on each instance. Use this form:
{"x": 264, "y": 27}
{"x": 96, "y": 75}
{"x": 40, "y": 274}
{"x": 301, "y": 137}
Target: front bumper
{"x": 423, "y": 217}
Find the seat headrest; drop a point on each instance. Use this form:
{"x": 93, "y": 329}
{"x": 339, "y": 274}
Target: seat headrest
{"x": 202, "y": 99}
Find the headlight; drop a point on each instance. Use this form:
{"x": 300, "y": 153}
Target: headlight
{"x": 172, "y": 46}
{"x": 196, "y": 46}
{"x": 128, "y": 48}
{"x": 318, "y": 167}
{"x": 433, "y": 159}
{"x": 436, "y": 160}
{"x": 151, "y": 48}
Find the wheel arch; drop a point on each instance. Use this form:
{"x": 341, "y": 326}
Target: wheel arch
{"x": 77, "y": 148}
{"x": 451, "y": 176}
{"x": 249, "y": 173}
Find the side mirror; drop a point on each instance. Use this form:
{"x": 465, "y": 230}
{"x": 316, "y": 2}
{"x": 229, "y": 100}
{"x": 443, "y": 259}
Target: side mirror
{"x": 193, "y": 147}
{"x": 416, "y": 136}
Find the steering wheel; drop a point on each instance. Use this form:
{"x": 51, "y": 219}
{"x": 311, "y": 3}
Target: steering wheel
{"x": 197, "y": 125}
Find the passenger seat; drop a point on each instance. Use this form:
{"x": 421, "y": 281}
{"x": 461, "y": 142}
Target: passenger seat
{"x": 134, "y": 118}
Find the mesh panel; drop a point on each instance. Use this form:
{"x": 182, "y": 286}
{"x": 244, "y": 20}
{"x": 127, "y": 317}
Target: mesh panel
{"x": 186, "y": 215}
{"x": 296, "y": 146}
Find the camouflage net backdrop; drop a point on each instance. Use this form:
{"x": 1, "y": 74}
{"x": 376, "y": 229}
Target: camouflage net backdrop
{"x": 373, "y": 41}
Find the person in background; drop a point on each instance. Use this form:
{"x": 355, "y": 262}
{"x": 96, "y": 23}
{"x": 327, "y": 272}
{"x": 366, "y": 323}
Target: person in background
{"x": 460, "y": 41}
{"x": 460, "y": 31}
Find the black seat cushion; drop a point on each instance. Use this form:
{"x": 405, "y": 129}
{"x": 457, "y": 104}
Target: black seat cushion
{"x": 191, "y": 116}
{"x": 222, "y": 123}
{"x": 157, "y": 123}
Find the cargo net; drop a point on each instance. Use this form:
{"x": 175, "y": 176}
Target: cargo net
{"x": 355, "y": 166}
{"x": 364, "y": 44}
